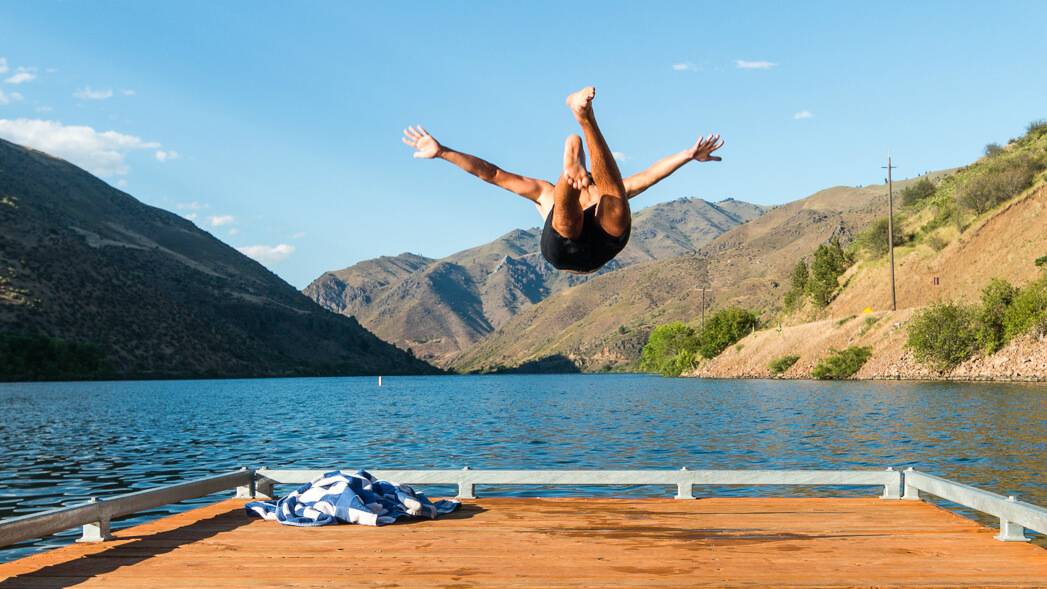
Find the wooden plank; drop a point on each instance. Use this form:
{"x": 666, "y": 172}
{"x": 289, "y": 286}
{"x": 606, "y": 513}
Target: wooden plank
{"x": 558, "y": 543}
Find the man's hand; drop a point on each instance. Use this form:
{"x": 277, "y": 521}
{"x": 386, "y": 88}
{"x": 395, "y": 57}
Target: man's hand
{"x": 703, "y": 149}
{"x": 426, "y": 147}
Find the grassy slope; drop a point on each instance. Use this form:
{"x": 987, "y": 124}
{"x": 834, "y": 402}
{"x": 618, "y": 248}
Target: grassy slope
{"x": 1003, "y": 242}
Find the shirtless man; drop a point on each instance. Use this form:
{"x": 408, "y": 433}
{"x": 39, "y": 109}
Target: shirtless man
{"x": 587, "y": 217}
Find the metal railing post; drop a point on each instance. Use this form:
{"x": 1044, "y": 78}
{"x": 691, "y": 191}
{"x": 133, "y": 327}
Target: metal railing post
{"x": 1010, "y": 531}
{"x": 246, "y": 491}
{"x": 910, "y": 493}
{"x": 684, "y": 489}
{"x": 893, "y": 489}
{"x": 96, "y": 531}
{"x": 465, "y": 488}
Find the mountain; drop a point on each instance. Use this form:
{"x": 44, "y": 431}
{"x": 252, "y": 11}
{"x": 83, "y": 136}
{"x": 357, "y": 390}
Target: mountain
{"x": 604, "y": 323}
{"x": 439, "y": 308}
{"x": 85, "y": 265}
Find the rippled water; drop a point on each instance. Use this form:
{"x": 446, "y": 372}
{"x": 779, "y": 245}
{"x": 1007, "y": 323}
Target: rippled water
{"x": 64, "y": 442}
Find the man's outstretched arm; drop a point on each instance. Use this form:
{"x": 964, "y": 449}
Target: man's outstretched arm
{"x": 427, "y": 147}
{"x": 701, "y": 151}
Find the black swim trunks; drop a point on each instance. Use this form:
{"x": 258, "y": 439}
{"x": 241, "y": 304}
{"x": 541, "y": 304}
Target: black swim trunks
{"x": 593, "y": 248}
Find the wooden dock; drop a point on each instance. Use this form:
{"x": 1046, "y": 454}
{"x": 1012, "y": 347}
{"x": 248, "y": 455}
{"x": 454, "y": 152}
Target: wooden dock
{"x": 553, "y": 543}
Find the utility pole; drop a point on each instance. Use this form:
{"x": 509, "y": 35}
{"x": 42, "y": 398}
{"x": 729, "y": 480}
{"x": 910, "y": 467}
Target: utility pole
{"x": 703, "y": 308}
{"x": 890, "y": 228}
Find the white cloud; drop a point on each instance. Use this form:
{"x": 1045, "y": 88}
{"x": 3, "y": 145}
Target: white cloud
{"x": 685, "y": 66}
{"x": 127, "y": 92}
{"x": 190, "y": 216}
{"x": 619, "y": 156}
{"x": 271, "y": 254}
{"x": 164, "y": 156}
{"x": 43, "y": 109}
{"x": 121, "y": 183}
{"x": 219, "y": 220}
{"x": 9, "y": 97}
{"x": 234, "y": 231}
{"x": 99, "y": 152}
{"x": 21, "y": 76}
{"x": 191, "y": 206}
{"x": 745, "y": 64}
{"x": 3, "y": 65}
{"x": 88, "y": 93}
{"x": 298, "y": 235}
{"x": 803, "y": 114}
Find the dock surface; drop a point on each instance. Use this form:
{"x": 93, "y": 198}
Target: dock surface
{"x": 557, "y": 543}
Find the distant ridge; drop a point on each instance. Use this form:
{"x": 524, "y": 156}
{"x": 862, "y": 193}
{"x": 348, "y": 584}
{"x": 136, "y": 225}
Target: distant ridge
{"x": 440, "y": 308}
{"x": 156, "y": 296}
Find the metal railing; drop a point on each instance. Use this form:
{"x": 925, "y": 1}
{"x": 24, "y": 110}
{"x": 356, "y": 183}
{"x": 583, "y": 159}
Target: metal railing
{"x": 1015, "y": 516}
{"x": 95, "y": 516}
{"x": 684, "y": 480}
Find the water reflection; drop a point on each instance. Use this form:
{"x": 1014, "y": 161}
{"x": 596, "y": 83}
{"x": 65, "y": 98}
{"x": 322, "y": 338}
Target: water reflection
{"x": 64, "y": 442}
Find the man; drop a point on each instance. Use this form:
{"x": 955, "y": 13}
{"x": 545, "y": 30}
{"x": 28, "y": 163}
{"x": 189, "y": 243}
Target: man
{"x": 587, "y": 217}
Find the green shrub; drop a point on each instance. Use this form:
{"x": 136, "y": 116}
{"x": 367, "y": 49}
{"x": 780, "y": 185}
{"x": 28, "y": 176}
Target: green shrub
{"x": 997, "y": 297}
{"x": 780, "y": 365}
{"x": 840, "y": 322}
{"x": 1000, "y": 181}
{"x": 1041, "y": 261}
{"x": 943, "y": 335}
{"x": 830, "y": 262}
{"x": 670, "y": 349}
{"x": 874, "y": 239}
{"x": 936, "y": 242}
{"x": 993, "y": 150}
{"x": 869, "y": 322}
{"x": 917, "y": 192}
{"x": 841, "y": 364}
{"x": 1036, "y": 129}
{"x": 724, "y": 328}
{"x": 1026, "y": 311}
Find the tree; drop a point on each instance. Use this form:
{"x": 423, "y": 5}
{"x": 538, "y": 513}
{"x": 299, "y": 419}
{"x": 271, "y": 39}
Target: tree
{"x": 997, "y": 297}
{"x": 830, "y": 262}
{"x": 797, "y": 285}
{"x": 943, "y": 335}
{"x": 724, "y": 328}
{"x": 917, "y": 192}
{"x": 670, "y": 349}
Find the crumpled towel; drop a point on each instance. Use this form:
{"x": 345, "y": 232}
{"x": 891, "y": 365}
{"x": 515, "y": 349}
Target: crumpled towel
{"x": 338, "y": 497}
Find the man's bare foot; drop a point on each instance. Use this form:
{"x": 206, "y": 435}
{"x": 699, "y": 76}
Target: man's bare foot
{"x": 574, "y": 163}
{"x": 581, "y": 102}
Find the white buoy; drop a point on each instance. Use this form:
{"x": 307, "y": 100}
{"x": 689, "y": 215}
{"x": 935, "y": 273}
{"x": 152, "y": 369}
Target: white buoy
{"x": 379, "y": 380}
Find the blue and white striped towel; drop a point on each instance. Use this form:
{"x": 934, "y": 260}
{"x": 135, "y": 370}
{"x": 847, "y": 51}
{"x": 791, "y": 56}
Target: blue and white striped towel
{"x": 338, "y": 497}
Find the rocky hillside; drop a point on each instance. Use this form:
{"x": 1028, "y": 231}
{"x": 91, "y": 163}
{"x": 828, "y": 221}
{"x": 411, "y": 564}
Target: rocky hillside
{"x": 151, "y": 293}
{"x": 439, "y": 308}
{"x": 953, "y": 244}
{"x": 604, "y": 323}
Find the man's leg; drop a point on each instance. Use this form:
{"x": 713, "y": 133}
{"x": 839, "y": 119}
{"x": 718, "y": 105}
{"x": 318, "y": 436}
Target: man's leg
{"x": 567, "y": 209}
{"x": 613, "y": 209}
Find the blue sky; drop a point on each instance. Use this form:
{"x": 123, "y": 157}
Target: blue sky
{"x": 276, "y": 125}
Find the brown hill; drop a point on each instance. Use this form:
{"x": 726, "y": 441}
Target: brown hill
{"x": 438, "y": 308}
{"x": 85, "y": 263}
{"x": 604, "y": 323}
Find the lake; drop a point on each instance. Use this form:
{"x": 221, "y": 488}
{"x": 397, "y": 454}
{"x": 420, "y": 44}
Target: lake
{"x": 65, "y": 442}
